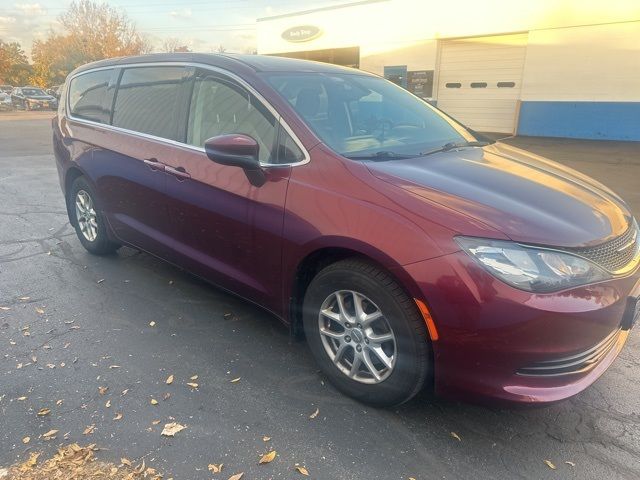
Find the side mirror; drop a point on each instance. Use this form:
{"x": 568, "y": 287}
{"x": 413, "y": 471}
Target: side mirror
{"x": 236, "y": 150}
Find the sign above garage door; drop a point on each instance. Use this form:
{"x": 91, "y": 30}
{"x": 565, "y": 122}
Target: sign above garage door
{"x": 480, "y": 80}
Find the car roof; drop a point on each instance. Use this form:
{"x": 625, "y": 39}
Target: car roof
{"x": 233, "y": 62}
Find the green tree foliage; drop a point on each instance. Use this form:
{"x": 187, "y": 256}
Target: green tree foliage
{"x": 14, "y": 66}
{"x": 90, "y": 31}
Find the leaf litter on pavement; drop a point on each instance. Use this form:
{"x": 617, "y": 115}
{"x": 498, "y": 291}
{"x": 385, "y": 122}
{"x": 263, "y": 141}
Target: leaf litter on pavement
{"x": 78, "y": 463}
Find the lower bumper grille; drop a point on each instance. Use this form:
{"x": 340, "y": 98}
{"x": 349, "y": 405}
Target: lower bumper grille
{"x": 579, "y": 363}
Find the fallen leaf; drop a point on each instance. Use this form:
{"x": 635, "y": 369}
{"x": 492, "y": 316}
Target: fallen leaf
{"x": 215, "y": 467}
{"x": 44, "y": 411}
{"x": 39, "y": 310}
{"x": 155, "y": 422}
{"x": 26, "y": 440}
{"x": 24, "y": 298}
{"x": 315, "y": 414}
{"x": 268, "y": 457}
{"x": 303, "y": 471}
{"x": 170, "y": 380}
{"x": 266, "y": 439}
{"x": 108, "y": 404}
{"x": 152, "y": 324}
{"x": 193, "y": 385}
{"x": 100, "y": 281}
{"x": 236, "y": 380}
{"x": 170, "y": 429}
{"x": 118, "y": 416}
{"x": 154, "y": 401}
{"x": 550, "y": 465}
{"x": 124, "y": 392}
{"x": 33, "y": 460}
{"x": 59, "y": 402}
{"x": 570, "y": 463}
{"x": 103, "y": 390}
{"x": 125, "y": 461}
{"x": 456, "y": 436}
{"x": 195, "y": 377}
{"x": 237, "y": 476}
{"x": 21, "y": 399}
{"x": 89, "y": 430}
{"x": 114, "y": 366}
{"x": 50, "y": 434}
{"x": 140, "y": 468}
{"x": 5, "y": 308}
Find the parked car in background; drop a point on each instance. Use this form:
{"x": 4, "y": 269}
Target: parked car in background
{"x": 6, "y": 88}
{"x": 33, "y": 98}
{"x": 409, "y": 250}
{"x": 5, "y": 101}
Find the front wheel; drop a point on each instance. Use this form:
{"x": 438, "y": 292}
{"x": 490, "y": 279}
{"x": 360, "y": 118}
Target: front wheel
{"x": 366, "y": 333}
{"x": 88, "y": 220}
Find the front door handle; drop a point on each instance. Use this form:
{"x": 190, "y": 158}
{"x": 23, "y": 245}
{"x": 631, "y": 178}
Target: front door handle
{"x": 179, "y": 172}
{"x": 154, "y": 164}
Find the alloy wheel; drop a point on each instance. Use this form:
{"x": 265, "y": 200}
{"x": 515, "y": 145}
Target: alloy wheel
{"x": 86, "y": 215}
{"x": 357, "y": 337}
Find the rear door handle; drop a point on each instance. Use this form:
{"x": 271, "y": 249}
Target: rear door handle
{"x": 179, "y": 172}
{"x": 154, "y": 164}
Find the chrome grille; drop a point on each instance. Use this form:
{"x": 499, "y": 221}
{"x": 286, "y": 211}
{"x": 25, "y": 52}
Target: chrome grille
{"x": 615, "y": 254}
{"x": 578, "y": 363}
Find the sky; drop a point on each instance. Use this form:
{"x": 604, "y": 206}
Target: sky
{"x": 203, "y": 25}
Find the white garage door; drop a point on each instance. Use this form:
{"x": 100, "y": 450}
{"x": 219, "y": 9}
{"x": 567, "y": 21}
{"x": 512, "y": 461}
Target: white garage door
{"x": 480, "y": 79}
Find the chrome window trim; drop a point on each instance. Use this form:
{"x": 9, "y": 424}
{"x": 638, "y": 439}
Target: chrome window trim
{"x": 240, "y": 80}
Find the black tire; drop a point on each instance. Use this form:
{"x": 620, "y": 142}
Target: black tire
{"x": 413, "y": 360}
{"x": 100, "y": 245}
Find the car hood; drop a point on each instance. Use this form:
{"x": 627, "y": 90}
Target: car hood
{"x": 527, "y": 197}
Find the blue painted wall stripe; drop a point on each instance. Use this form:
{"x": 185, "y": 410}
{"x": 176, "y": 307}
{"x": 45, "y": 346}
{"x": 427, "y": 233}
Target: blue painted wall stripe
{"x": 590, "y": 120}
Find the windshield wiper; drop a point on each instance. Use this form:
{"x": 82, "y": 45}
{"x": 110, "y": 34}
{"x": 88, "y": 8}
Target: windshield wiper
{"x": 381, "y": 155}
{"x": 453, "y": 145}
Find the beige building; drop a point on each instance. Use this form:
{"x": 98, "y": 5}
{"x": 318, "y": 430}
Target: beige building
{"x": 568, "y": 68}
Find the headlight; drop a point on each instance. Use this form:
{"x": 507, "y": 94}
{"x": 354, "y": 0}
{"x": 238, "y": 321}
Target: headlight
{"x": 529, "y": 268}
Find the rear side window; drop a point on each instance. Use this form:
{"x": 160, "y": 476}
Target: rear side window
{"x": 219, "y": 107}
{"x": 88, "y": 96}
{"x": 147, "y": 100}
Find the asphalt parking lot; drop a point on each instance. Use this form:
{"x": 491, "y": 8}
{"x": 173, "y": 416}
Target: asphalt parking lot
{"x": 73, "y": 323}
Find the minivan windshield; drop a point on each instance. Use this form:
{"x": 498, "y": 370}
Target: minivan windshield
{"x": 362, "y": 116}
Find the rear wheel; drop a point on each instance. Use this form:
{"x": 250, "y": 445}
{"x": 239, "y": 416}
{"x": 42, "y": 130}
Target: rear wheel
{"x": 88, "y": 219}
{"x": 366, "y": 333}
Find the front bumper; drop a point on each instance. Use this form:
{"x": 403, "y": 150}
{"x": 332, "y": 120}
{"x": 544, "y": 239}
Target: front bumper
{"x": 42, "y": 105}
{"x": 491, "y": 335}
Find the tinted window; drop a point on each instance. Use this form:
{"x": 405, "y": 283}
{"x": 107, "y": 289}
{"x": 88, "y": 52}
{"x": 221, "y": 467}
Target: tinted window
{"x": 87, "y": 95}
{"x": 219, "y": 107}
{"x": 147, "y": 100}
{"x": 360, "y": 115}
{"x": 33, "y": 91}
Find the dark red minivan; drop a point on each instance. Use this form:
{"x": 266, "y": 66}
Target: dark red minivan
{"x": 409, "y": 250}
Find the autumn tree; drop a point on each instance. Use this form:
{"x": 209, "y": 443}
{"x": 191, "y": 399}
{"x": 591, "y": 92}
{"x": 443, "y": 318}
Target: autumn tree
{"x": 90, "y": 31}
{"x": 14, "y": 66}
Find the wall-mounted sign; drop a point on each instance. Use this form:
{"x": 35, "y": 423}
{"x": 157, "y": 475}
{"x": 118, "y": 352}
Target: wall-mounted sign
{"x": 420, "y": 83}
{"x": 302, "y": 33}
